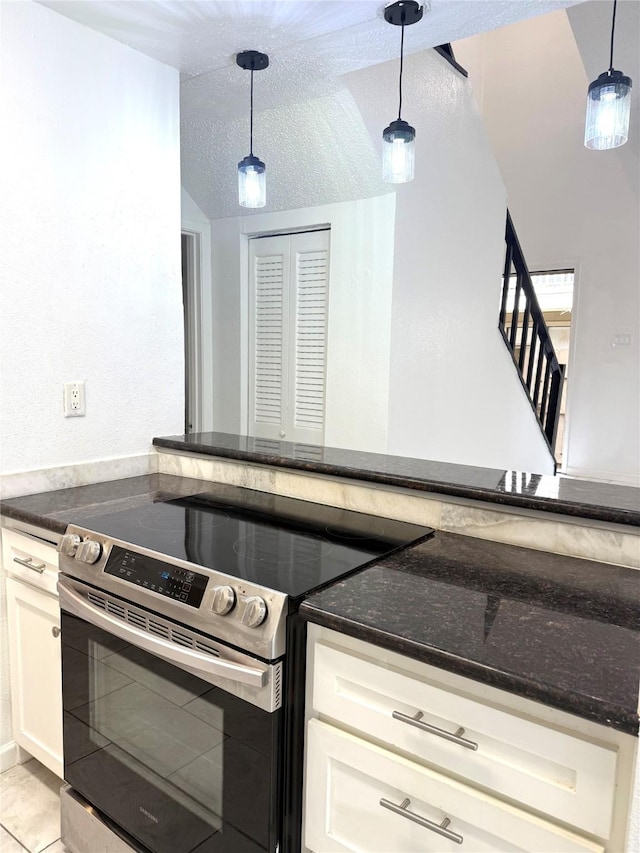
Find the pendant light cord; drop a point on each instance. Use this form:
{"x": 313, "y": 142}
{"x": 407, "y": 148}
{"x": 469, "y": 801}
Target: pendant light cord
{"x": 613, "y": 29}
{"x": 401, "y": 63}
{"x": 251, "y": 119}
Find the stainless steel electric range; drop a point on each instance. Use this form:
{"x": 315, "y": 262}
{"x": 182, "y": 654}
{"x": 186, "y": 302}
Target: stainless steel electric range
{"x": 183, "y": 664}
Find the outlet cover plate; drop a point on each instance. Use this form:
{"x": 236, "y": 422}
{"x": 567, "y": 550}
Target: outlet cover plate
{"x": 74, "y": 400}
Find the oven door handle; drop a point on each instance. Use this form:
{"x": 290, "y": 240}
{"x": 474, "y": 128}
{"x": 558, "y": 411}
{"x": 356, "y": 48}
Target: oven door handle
{"x": 197, "y": 663}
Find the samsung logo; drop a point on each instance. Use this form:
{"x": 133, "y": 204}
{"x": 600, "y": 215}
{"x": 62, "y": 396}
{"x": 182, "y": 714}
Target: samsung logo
{"x": 148, "y": 814}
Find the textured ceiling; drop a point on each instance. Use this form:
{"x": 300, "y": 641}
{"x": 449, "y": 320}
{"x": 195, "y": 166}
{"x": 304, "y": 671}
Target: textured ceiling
{"x": 304, "y": 115}
{"x": 200, "y": 37}
{"x": 317, "y": 151}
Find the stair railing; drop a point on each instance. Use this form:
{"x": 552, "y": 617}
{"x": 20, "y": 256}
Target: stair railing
{"x": 526, "y": 335}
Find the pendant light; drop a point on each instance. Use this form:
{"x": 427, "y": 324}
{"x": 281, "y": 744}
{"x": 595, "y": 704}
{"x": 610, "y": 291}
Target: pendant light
{"x": 398, "y": 140}
{"x": 608, "y": 106}
{"x": 252, "y": 189}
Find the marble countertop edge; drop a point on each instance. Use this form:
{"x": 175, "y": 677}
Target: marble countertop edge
{"x": 597, "y": 512}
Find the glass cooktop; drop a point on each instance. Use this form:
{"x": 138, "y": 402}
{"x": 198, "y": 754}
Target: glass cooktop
{"x": 284, "y": 544}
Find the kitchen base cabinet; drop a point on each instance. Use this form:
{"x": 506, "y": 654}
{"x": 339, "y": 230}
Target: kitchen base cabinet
{"x": 401, "y": 756}
{"x": 362, "y": 797}
{"x": 34, "y": 648}
{"x": 569, "y": 778}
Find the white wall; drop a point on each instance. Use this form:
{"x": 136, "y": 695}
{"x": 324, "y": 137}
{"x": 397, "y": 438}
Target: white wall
{"x": 361, "y": 264}
{"x": 190, "y": 212}
{"x": 571, "y": 207}
{"x": 417, "y": 366}
{"x": 90, "y": 267}
{"x": 90, "y": 243}
{"x": 454, "y": 393}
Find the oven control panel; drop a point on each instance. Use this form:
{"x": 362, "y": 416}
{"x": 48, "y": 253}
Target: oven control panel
{"x": 234, "y": 610}
{"x": 171, "y": 581}
{"x": 254, "y": 611}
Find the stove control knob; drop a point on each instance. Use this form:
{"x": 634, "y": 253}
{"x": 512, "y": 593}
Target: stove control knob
{"x": 89, "y": 551}
{"x": 69, "y": 544}
{"x": 255, "y": 611}
{"x": 224, "y": 600}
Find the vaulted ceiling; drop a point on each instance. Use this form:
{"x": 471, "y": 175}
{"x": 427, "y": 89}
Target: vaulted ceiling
{"x": 308, "y": 128}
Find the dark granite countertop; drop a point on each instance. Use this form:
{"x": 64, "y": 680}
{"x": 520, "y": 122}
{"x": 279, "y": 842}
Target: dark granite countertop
{"x": 564, "y": 495}
{"x": 559, "y": 630}
{"x": 55, "y": 510}
{"x": 556, "y": 629}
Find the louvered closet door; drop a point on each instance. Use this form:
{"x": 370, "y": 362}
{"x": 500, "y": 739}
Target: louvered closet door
{"x": 289, "y": 285}
{"x": 269, "y": 266}
{"x": 308, "y": 319}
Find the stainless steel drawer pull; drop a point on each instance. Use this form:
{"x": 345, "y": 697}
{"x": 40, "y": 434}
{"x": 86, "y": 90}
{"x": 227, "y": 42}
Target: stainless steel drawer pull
{"x": 455, "y": 737}
{"x": 440, "y": 828}
{"x": 29, "y": 564}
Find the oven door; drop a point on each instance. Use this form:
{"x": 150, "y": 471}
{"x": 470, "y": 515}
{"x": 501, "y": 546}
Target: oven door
{"x": 173, "y": 736}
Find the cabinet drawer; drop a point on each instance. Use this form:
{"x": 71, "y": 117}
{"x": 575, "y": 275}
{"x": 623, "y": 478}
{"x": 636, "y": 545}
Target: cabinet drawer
{"x": 347, "y": 778}
{"x": 563, "y": 776}
{"x": 30, "y": 560}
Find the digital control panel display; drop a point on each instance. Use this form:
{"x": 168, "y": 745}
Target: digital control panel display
{"x": 159, "y": 577}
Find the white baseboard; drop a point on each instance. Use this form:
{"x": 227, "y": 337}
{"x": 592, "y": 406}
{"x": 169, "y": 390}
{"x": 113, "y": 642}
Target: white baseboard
{"x": 8, "y": 756}
{"x": 617, "y": 478}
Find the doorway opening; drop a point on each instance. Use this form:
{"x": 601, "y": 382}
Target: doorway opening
{"x": 191, "y": 284}
{"x": 554, "y": 291}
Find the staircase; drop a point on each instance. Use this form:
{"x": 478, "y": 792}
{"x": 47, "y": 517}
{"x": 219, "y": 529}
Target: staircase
{"x": 527, "y": 338}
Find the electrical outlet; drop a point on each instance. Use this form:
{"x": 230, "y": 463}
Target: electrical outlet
{"x": 621, "y": 339}
{"x": 74, "y": 401}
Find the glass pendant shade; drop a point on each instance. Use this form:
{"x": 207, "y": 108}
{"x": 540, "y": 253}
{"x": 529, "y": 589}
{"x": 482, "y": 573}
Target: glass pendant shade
{"x": 608, "y": 109}
{"x": 398, "y": 152}
{"x": 252, "y": 185}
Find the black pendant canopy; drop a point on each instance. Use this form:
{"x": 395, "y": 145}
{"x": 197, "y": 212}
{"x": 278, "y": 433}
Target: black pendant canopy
{"x": 403, "y": 13}
{"x": 252, "y": 60}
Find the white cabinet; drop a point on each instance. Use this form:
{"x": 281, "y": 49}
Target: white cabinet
{"x": 394, "y": 748}
{"x": 371, "y": 800}
{"x": 566, "y": 777}
{"x": 34, "y": 647}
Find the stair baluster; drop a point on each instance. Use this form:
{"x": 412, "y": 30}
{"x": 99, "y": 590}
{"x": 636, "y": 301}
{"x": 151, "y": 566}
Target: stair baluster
{"x": 527, "y": 337}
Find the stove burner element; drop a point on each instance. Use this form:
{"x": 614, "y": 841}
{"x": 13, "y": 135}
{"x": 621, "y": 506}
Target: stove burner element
{"x": 272, "y": 542}
{"x": 354, "y": 535}
{"x": 157, "y": 518}
{"x": 281, "y": 548}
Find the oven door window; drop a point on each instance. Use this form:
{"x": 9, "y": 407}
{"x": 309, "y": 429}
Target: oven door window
{"x": 180, "y": 765}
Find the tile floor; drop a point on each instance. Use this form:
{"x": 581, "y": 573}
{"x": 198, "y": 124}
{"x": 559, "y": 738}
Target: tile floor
{"x": 30, "y": 810}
